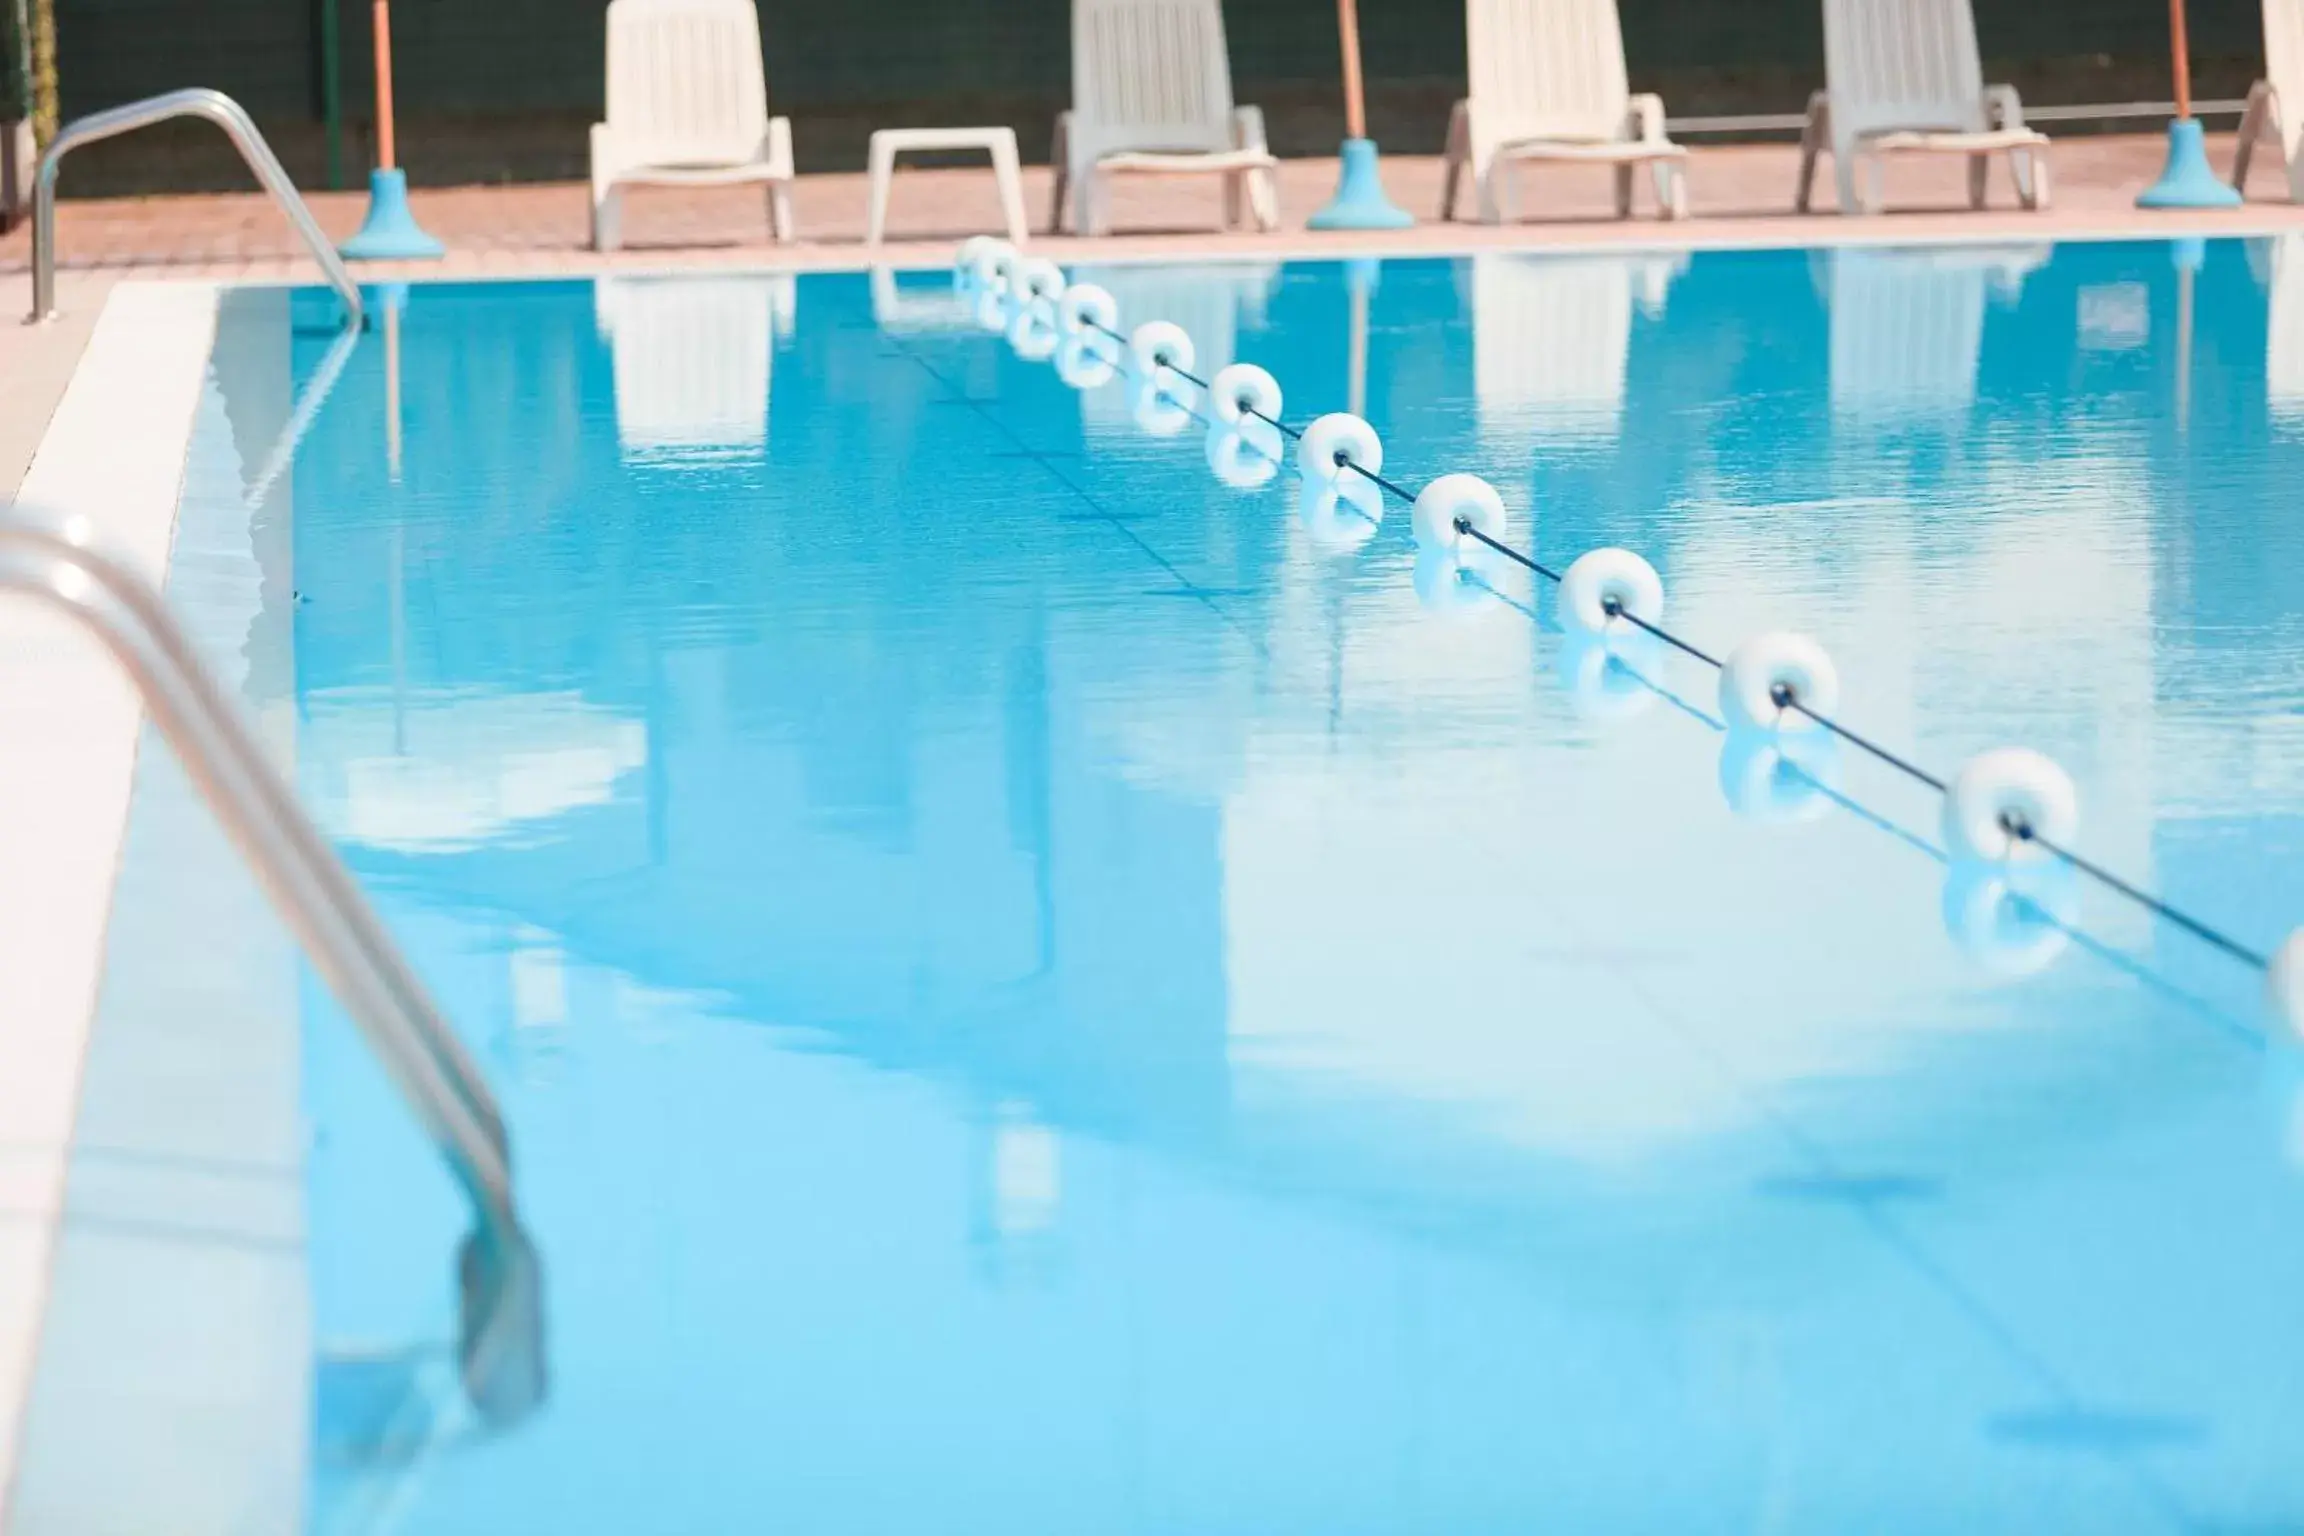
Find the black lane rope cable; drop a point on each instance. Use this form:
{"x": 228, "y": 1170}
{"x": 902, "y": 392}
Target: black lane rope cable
{"x": 1992, "y": 1324}
{"x": 1783, "y": 697}
{"x": 2015, "y": 827}
{"x": 2025, "y": 904}
{"x": 1189, "y": 377}
{"x": 1464, "y": 526}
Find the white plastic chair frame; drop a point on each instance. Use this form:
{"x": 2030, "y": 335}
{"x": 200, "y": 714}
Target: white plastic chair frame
{"x": 1903, "y": 77}
{"x": 1152, "y": 94}
{"x": 2275, "y": 108}
{"x": 1548, "y": 82}
{"x": 687, "y": 106}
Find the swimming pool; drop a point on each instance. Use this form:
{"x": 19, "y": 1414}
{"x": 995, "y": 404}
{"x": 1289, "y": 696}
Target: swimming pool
{"x": 1030, "y": 994}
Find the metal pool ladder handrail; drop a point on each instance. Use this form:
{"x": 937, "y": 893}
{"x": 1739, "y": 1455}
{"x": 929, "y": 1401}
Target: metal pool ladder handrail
{"x": 226, "y": 114}
{"x": 311, "y": 890}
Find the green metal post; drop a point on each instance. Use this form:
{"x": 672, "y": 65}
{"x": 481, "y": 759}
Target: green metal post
{"x": 47, "y": 111}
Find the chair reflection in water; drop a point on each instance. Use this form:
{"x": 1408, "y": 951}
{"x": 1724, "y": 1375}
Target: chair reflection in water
{"x": 693, "y": 358}
{"x": 2280, "y": 263}
{"x": 1908, "y": 326}
{"x": 1550, "y": 337}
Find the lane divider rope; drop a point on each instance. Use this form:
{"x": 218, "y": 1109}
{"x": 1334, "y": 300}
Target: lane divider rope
{"x": 2004, "y": 807}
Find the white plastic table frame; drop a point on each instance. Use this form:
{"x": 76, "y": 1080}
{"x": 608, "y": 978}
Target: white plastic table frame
{"x": 1000, "y": 143}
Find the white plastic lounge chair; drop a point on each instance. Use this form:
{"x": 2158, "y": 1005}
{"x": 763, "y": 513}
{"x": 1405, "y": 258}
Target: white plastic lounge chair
{"x": 687, "y": 106}
{"x": 1550, "y": 337}
{"x": 692, "y": 360}
{"x": 1903, "y": 77}
{"x": 2276, "y": 102}
{"x": 1908, "y": 326}
{"x": 1548, "y": 83}
{"x": 1152, "y": 94}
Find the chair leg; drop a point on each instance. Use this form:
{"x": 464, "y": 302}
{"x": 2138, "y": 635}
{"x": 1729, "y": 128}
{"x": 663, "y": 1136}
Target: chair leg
{"x": 1456, "y": 156}
{"x": 2037, "y": 161}
{"x": 1264, "y": 199}
{"x": 1815, "y": 133}
{"x": 607, "y": 218}
{"x": 1493, "y": 191}
{"x": 2251, "y": 129}
{"x": 1091, "y": 216}
{"x": 1979, "y": 180}
{"x": 1232, "y": 180}
{"x": 882, "y": 173}
{"x": 1009, "y": 177}
{"x": 1624, "y": 191}
{"x": 1060, "y": 161}
{"x": 780, "y": 211}
{"x": 1671, "y": 189}
{"x": 1844, "y": 169}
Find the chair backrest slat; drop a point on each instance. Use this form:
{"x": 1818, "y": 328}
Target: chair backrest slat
{"x": 685, "y": 82}
{"x": 1150, "y": 75}
{"x": 1545, "y": 69}
{"x": 1909, "y": 64}
{"x": 2284, "y": 66}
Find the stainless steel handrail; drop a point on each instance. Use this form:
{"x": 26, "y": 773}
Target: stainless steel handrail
{"x": 314, "y": 895}
{"x": 226, "y": 114}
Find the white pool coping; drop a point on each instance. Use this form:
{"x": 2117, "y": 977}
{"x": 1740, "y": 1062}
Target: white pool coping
{"x": 114, "y": 452}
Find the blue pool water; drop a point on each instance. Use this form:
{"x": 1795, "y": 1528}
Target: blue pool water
{"x": 1030, "y": 996}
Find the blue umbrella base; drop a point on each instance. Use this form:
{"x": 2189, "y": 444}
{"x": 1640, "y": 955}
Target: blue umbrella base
{"x": 1360, "y": 202}
{"x": 2188, "y": 181}
{"x": 391, "y": 232}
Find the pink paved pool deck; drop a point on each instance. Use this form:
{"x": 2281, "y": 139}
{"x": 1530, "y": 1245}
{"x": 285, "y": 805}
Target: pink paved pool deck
{"x": 1740, "y": 195}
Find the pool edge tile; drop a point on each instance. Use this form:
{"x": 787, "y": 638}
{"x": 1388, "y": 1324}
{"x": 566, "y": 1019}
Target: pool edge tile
{"x": 68, "y": 795}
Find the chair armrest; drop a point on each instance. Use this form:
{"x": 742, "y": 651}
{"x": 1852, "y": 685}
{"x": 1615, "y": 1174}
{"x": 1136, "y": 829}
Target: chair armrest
{"x": 2002, "y": 107}
{"x": 778, "y": 147}
{"x": 1644, "y": 121}
{"x": 1248, "y": 128}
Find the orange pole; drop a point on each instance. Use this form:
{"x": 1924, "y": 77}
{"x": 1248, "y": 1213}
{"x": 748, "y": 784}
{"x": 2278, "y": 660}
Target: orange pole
{"x": 384, "y": 147}
{"x": 2181, "y": 45}
{"x": 1348, "y": 31}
